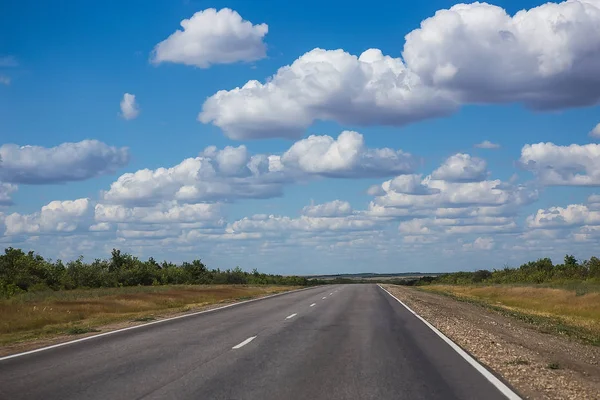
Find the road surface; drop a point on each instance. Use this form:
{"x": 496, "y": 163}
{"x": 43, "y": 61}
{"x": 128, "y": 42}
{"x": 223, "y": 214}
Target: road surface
{"x": 333, "y": 342}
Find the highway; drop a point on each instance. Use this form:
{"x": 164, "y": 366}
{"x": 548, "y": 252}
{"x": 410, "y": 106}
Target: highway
{"x": 332, "y": 342}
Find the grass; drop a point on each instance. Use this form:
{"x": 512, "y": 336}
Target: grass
{"x": 32, "y": 316}
{"x": 553, "y": 365}
{"x": 571, "y": 311}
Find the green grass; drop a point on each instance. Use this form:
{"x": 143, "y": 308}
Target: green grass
{"x": 553, "y": 365}
{"x": 79, "y": 330}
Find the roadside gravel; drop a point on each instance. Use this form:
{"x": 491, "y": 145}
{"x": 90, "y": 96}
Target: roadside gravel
{"x": 537, "y": 365}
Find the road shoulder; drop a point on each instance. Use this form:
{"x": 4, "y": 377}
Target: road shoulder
{"x": 523, "y": 356}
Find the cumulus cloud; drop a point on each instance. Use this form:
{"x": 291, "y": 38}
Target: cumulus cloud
{"x": 164, "y": 213}
{"x": 273, "y": 223}
{"x": 345, "y": 157}
{"x": 5, "y": 191}
{"x": 232, "y": 173}
{"x": 481, "y": 243}
{"x": 595, "y": 133}
{"x": 336, "y": 208}
{"x": 372, "y": 89}
{"x": 486, "y": 144}
{"x": 63, "y": 163}
{"x": 574, "y": 165}
{"x": 558, "y": 217}
{"x": 213, "y": 37}
{"x": 57, "y": 216}
{"x": 461, "y": 168}
{"x": 545, "y": 58}
{"x": 129, "y": 107}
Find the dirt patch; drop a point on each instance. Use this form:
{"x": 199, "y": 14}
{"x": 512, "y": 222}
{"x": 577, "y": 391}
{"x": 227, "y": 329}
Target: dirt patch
{"x": 538, "y": 365}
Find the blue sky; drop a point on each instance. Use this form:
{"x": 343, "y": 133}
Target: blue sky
{"x": 118, "y": 104}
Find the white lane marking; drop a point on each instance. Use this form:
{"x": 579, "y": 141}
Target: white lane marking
{"x": 331, "y": 294}
{"x": 291, "y": 316}
{"x": 245, "y": 342}
{"x": 149, "y": 323}
{"x": 324, "y": 297}
{"x": 313, "y": 304}
{"x": 505, "y": 390}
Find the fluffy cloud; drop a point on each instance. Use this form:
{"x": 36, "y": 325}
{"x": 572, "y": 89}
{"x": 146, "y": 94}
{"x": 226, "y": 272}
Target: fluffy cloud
{"x": 595, "y": 133}
{"x": 336, "y": 208}
{"x": 5, "y": 191}
{"x": 481, "y": 243}
{"x": 272, "y": 223}
{"x": 574, "y": 165}
{"x": 66, "y": 162}
{"x": 486, "y": 144}
{"x": 232, "y": 173}
{"x": 558, "y": 217}
{"x": 164, "y": 213}
{"x": 327, "y": 85}
{"x": 57, "y": 216}
{"x": 129, "y": 107}
{"x": 461, "y": 168}
{"x": 546, "y": 57}
{"x": 213, "y": 37}
{"x": 345, "y": 157}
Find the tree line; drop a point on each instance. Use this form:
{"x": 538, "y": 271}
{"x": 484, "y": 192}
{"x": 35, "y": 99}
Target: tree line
{"x": 533, "y": 272}
{"x": 21, "y": 271}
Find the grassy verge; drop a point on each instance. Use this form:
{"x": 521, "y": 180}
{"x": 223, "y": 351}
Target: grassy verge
{"x": 573, "y": 312}
{"x": 33, "y": 316}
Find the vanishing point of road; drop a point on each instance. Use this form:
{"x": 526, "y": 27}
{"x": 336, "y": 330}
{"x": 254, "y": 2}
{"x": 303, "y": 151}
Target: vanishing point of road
{"x": 329, "y": 342}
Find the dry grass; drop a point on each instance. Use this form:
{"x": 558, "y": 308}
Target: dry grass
{"x": 33, "y": 316}
{"x": 570, "y": 306}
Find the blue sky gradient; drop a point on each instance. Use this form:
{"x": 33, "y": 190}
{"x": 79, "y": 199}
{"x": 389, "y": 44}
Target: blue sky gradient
{"x": 65, "y": 67}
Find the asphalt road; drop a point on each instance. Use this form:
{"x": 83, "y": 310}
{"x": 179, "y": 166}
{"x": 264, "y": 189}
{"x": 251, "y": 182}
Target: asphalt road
{"x": 334, "y": 342}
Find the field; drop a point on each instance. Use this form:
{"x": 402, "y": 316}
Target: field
{"x": 572, "y": 310}
{"x": 41, "y": 315}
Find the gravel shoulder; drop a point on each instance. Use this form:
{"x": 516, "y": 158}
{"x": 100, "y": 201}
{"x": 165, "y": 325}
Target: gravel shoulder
{"x": 537, "y": 365}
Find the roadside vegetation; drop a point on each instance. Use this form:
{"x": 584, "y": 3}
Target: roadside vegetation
{"x": 37, "y": 315}
{"x": 562, "y": 299}
{"x": 22, "y": 272}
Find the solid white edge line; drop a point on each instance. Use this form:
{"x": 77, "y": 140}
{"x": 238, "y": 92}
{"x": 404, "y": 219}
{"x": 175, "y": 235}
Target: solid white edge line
{"x": 291, "y": 316}
{"x": 148, "y": 324}
{"x": 313, "y": 304}
{"x": 245, "y": 342}
{"x": 505, "y": 390}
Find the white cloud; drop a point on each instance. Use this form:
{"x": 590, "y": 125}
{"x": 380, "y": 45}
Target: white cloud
{"x": 574, "y": 165}
{"x": 557, "y": 217}
{"x": 272, "y": 223}
{"x": 5, "y": 80}
{"x": 336, "y": 208}
{"x": 57, "y": 216}
{"x": 486, "y": 144}
{"x": 406, "y": 184}
{"x": 232, "y": 173}
{"x": 595, "y": 133}
{"x": 164, "y": 213}
{"x": 345, "y": 157}
{"x": 5, "y": 191}
{"x": 461, "y": 168}
{"x": 371, "y": 89}
{"x": 129, "y": 107}
{"x": 213, "y": 37}
{"x": 66, "y": 162}
{"x": 546, "y": 57}
{"x": 481, "y": 243}
{"x": 100, "y": 227}
{"x": 414, "y": 227}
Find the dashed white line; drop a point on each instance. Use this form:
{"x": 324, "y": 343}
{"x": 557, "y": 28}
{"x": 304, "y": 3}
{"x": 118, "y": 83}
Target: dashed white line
{"x": 291, "y": 316}
{"x": 324, "y": 297}
{"x": 313, "y": 304}
{"x": 245, "y": 342}
{"x": 331, "y": 294}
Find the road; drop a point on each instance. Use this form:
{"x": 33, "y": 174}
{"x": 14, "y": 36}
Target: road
{"x": 333, "y": 342}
